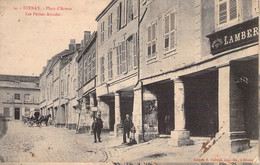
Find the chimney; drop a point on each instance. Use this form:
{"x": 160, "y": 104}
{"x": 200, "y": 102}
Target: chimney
{"x": 78, "y": 46}
{"x": 72, "y": 45}
{"x": 87, "y": 35}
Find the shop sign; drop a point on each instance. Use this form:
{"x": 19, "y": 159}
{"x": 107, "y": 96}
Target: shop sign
{"x": 235, "y": 36}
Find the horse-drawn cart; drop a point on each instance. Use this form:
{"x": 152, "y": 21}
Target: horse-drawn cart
{"x": 35, "y": 119}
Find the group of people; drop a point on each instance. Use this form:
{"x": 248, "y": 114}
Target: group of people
{"x": 128, "y": 127}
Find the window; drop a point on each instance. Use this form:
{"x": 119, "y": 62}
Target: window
{"x": 109, "y": 26}
{"x": 151, "y": 42}
{"x": 134, "y": 51}
{"x": 123, "y": 13}
{"x": 8, "y": 97}
{"x": 94, "y": 63}
{"x": 110, "y": 64}
{"x": 6, "y": 112}
{"x": 62, "y": 87}
{"x": 102, "y": 69}
{"x": 130, "y": 10}
{"x": 102, "y": 32}
{"x": 80, "y": 74}
{"x": 118, "y": 18}
{"x": 86, "y": 70}
{"x": 131, "y": 53}
{"x": 89, "y": 66}
{"x": 118, "y": 55}
{"x": 121, "y": 58}
{"x": 68, "y": 84}
{"x": 169, "y": 31}
{"x": 227, "y": 11}
{"x": 27, "y": 98}
{"x": 17, "y": 96}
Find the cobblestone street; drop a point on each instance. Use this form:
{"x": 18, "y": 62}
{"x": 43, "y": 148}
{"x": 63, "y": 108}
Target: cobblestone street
{"x": 50, "y": 144}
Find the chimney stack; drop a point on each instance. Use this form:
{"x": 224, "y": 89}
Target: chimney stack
{"x": 87, "y": 35}
{"x": 78, "y": 46}
{"x": 72, "y": 45}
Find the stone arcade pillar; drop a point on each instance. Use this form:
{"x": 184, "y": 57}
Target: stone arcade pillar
{"x": 180, "y": 136}
{"x": 117, "y": 114}
{"x": 137, "y": 114}
{"x": 231, "y": 133}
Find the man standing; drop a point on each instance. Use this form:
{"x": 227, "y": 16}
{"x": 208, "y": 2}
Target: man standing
{"x": 97, "y": 127}
{"x": 127, "y": 128}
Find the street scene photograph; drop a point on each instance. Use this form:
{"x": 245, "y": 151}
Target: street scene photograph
{"x": 129, "y": 82}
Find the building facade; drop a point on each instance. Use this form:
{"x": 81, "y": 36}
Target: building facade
{"x": 87, "y": 67}
{"x": 68, "y": 86}
{"x": 19, "y": 96}
{"x": 200, "y": 68}
{"x": 117, "y": 62}
{"x": 56, "y": 87}
{"x": 194, "y": 63}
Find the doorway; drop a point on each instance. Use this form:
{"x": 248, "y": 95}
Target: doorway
{"x": 17, "y": 113}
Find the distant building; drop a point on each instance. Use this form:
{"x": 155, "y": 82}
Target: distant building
{"x": 19, "y": 96}
{"x": 58, "y": 83}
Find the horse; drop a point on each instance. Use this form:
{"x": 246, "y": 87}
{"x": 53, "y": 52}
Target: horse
{"x": 45, "y": 119}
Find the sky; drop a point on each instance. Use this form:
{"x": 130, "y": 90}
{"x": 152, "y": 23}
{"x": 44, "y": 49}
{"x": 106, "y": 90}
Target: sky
{"x": 28, "y": 41}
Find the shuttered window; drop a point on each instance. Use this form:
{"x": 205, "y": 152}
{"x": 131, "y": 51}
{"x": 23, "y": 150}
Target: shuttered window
{"x": 170, "y": 31}
{"x": 109, "y": 25}
{"x": 151, "y": 40}
{"x": 123, "y": 59}
{"x": 119, "y": 64}
{"x": 118, "y": 18}
{"x": 102, "y": 69}
{"x": 110, "y": 64}
{"x": 134, "y": 51}
{"x": 102, "y": 34}
{"x": 227, "y": 11}
{"x": 94, "y": 63}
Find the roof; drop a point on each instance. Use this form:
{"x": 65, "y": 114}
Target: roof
{"x": 106, "y": 9}
{"x": 34, "y": 79}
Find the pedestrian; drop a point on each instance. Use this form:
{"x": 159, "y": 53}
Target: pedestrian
{"x": 132, "y": 137}
{"x": 127, "y": 125}
{"x": 97, "y": 126}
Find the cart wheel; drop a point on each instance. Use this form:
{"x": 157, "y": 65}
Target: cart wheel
{"x": 30, "y": 123}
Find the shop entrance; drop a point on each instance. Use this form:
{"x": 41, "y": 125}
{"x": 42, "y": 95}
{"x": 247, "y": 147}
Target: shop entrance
{"x": 159, "y": 107}
{"x": 165, "y": 97}
{"x": 17, "y": 113}
{"x": 126, "y": 104}
{"x": 201, "y": 103}
{"x": 244, "y": 95}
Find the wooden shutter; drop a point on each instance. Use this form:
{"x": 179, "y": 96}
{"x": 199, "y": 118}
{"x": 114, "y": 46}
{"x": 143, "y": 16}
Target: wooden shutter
{"x": 232, "y": 9}
{"x": 173, "y": 32}
{"x": 222, "y": 12}
{"x": 123, "y": 15}
{"x": 117, "y": 60}
{"x": 123, "y": 56}
{"x": 134, "y": 51}
{"x": 135, "y": 6}
{"x": 108, "y": 26}
{"x": 149, "y": 46}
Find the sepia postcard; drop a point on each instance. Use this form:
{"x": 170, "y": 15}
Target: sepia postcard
{"x": 129, "y": 82}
